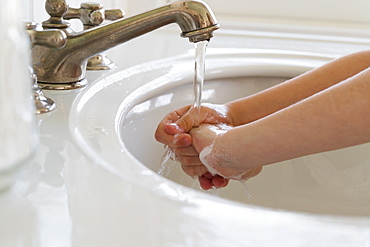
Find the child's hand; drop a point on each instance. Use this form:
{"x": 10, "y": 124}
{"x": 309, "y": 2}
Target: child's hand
{"x": 173, "y": 132}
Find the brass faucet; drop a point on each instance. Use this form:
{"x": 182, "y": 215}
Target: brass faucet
{"x": 65, "y": 68}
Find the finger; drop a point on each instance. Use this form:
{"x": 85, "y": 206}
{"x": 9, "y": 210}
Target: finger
{"x": 219, "y": 181}
{"x": 177, "y": 114}
{"x": 188, "y": 150}
{"x": 205, "y": 183}
{"x": 208, "y": 175}
{"x": 194, "y": 170}
{"x": 161, "y": 135}
{"x": 178, "y": 140}
{"x": 216, "y": 180}
{"x": 187, "y": 121}
{"x": 182, "y": 140}
{"x": 189, "y": 160}
{"x": 173, "y": 128}
{"x": 171, "y": 119}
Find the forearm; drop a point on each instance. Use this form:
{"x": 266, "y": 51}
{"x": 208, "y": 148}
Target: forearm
{"x": 276, "y": 98}
{"x": 335, "y": 118}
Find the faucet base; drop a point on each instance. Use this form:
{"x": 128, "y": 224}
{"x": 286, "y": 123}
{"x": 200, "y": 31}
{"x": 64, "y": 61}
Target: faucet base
{"x": 100, "y": 62}
{"x": 62, "y": 86}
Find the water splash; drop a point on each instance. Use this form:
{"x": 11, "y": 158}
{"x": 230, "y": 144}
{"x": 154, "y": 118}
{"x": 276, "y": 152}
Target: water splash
{"x": 215, "y": 191}
{"x": 246, "y": 191}
{"x": 167, "y": 162}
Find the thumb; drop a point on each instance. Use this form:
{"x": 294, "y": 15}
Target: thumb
{"x": 183, "y": 124}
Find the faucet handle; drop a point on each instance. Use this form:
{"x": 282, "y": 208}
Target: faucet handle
{"x": 52, "y": 38}
{"x": 114, "y": 14}
{"x": 93, "y": 14}
{"x": 56, "y": 9}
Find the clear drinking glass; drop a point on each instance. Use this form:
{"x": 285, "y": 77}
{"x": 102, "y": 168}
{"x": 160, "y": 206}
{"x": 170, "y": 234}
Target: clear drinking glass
{"x": 18, "y": 130}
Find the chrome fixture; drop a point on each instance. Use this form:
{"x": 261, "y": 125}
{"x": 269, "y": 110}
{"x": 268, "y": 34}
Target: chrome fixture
{"x": 92, "y": 15}
{"x": 65, "y": 68}
{"x": 49, "y": 38}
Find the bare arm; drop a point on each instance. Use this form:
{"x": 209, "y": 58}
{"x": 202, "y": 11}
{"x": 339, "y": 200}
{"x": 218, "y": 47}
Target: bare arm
{"x": 276, "y": 98}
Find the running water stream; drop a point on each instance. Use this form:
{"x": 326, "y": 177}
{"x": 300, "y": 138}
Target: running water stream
{"x": 198, "y": 82}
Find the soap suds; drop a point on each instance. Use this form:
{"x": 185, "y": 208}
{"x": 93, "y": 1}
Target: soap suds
{"x": 203, "y": 158}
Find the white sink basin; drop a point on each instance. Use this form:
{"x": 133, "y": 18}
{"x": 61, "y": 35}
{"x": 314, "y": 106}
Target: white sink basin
{"x": 114, "y": 121}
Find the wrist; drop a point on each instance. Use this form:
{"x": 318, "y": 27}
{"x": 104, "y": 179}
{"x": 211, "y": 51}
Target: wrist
{"x": 236, "y": 113}
{"x": 246, "y": 110}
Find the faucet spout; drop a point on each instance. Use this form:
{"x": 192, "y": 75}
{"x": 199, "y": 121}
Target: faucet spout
{"x": 65, "y": 68}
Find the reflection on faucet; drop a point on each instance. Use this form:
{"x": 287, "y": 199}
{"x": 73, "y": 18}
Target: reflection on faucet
{"x": 65, "y": 68}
